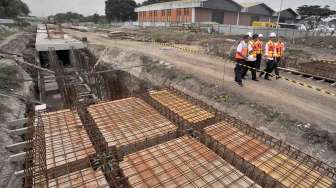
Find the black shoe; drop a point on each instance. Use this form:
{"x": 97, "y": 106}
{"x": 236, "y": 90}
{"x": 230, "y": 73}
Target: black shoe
{"x": 255, "y": 80}
{"x": 240, "y": 84}
{"x": 277, "y": 77}
{"x": 267, "y": 79}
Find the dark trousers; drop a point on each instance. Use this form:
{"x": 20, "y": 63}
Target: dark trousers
{"x": 276, "y": 65}
{"x": 239, "y": 70}
{"x": 258, "y": 62}
{"x": 251, "y": 64}
{"x": 269, "y": 68}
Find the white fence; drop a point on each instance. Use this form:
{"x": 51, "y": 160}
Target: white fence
{"x": 288, "y": 33}
{"x": 241, "y": 30}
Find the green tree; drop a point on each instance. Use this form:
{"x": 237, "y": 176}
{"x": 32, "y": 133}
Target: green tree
{"x": 313, "y": 15}
{"x": 95, "y": 18}
{"x": 13, "y": 8}
{"x": 67, "y": 17}
{"x": 120, "y": 10}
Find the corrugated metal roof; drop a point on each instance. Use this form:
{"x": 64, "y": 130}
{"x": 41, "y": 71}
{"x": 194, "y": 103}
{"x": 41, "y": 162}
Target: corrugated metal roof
{"x": 171, "y": 5}
{"x": 250, "y": 4}
{"x": 7, "y": 21}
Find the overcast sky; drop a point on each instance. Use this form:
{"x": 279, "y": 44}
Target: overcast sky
{"x": 86, "y": 7}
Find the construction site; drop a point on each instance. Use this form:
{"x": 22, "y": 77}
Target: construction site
{"x": 144, "y": 107}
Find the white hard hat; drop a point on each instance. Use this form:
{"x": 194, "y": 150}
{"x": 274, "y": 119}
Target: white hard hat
{"x": 260, "y": 35}
{"x": 272, "y": 35}
{"x": 249, "y": 34}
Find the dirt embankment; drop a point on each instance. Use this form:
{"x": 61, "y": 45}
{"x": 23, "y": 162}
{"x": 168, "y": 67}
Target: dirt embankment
{"x": 299, "y": 55}
{"x": 14, "y": 81}
{"x": 307, "y": 137}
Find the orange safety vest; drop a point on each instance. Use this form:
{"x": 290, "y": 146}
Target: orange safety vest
{"x": 271, "y": 49}
{"x": 244, "y": 52}
{"x": 259, "y": 45}
{"x": 254, "y": 48}
{"x": 279, "y": 46}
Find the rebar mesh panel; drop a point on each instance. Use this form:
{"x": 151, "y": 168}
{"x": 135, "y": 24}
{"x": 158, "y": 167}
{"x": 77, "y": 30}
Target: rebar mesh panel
{"x": 181, "y": 162}
{"x": 66, "y": 139}
{"x": 289, "y": 172}
{"x": 181, "y": 106}
{"x": 82, "y": 178}
{"x": 129, "y": 121}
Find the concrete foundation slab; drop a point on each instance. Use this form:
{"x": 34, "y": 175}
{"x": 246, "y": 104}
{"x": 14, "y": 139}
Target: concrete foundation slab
{"x": 44, "y": 41}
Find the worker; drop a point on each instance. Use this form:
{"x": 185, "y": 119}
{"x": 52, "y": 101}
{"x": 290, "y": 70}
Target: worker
{"x": 280, "y": 49}
{"x": 241, "y": 56}
{"x": 251, "y": 58}
{"x": 260, "y": 47}
{"x": 270, "y": 56}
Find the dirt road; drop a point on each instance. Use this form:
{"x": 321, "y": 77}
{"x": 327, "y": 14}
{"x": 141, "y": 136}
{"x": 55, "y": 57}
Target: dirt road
{"x": 301, "y": 103}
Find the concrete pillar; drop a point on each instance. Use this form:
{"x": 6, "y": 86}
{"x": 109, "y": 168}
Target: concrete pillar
{"x": 193, "y": 15}
{"x": 238, "y": 18}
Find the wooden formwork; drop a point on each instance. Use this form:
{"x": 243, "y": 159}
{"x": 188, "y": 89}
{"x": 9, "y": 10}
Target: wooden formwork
{"x": 131, "y": 124}
{"x": 182, "y": 162}
{"x": 285, "y": 169}
{"x": 197, "y": 115}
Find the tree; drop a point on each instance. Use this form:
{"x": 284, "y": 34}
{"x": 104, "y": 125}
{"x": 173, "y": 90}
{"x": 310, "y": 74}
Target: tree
{"x": 67, "y": 17}
{"x": 120, "y": 10}
{"x": 313, "y": 15}
{"x": 95, "y": 18}
{"x": 13, "y": 8}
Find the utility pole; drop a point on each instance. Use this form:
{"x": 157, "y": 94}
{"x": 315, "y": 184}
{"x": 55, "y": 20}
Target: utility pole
{"x": 279, "y": 14}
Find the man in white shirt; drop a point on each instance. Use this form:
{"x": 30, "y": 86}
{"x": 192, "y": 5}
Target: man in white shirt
{"x": 241, "y": 57}
{"x": 251, "y": 58}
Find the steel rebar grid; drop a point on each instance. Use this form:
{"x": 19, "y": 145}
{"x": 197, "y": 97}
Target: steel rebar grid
{"x": 191, "y": 110}
{"x": 182, "y": 162}
{"x": 60, "y": 146}
{"x": 128, "y": 123}
{"x": 279, "y": 165}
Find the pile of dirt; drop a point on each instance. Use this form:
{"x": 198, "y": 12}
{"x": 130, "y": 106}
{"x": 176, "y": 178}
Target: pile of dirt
{"x": 14, "y": 89}
{"x": 17, "y": 45}
{"x": 318, "y": 42}
{"x": 11, "y": 108}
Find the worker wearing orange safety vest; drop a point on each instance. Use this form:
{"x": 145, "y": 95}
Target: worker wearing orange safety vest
{"x": 279, "y": 49}
{"x": 260, "y": 50}
{"x": 251, "y": 58}
{"x": 241, "y": 57}
{"x": 270, "y": 54}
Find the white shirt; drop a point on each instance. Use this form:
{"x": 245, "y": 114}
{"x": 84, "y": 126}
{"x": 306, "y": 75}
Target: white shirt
{"x": 241, "y": 45}
{"x": 250, "y": 57}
